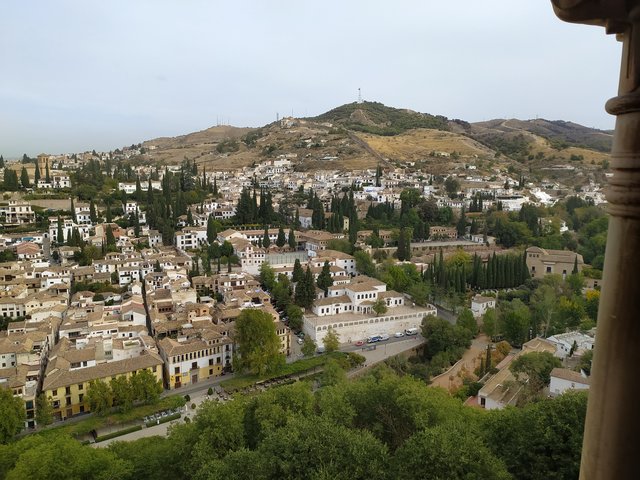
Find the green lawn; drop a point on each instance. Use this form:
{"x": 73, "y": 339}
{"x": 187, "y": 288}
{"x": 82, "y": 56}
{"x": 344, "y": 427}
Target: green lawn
{"x": 238, "y": 382}
{"x": 96, "y": 422}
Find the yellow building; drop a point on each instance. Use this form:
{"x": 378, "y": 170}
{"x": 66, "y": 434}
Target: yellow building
{"x": 66, "y": 382}
{"x": 197, "y": 354}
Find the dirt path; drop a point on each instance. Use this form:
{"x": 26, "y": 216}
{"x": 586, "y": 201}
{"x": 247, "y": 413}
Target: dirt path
{"x": 452, "y": 378}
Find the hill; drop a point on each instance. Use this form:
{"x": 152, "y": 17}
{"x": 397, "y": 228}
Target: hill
{"x": 363, "y": 135}
{"x": 376, "y": 118}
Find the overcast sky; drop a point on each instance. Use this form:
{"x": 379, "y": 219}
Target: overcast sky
{"x": 79, "y": 75}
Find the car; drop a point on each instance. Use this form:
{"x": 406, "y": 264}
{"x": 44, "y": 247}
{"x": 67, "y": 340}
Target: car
{"x": 373, "y": 339}
{"x": 399, "y": 334}
{"x": 384, "y": 337}
{"x": 359, "y": 343}
{"x": 300, "y": 341}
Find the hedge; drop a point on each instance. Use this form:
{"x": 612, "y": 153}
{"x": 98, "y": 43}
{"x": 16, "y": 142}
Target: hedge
{"x": 119, "y": 433}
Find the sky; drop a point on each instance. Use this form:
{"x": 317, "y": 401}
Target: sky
{"x": 82, "y": 75}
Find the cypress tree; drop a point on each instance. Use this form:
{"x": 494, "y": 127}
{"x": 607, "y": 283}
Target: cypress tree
{"x": 215, "y": 187}
{"x": 138, "y": 189}
{"x": 108, "y": 214}
{"x": 24, "y": 178}
{"x": 36, "y": 175}
{"x": 298, "y": 272}
{"x": 402, "y": 246}
{"x": 73, "y": 211}
{"x": 266, "y": 241}
{"x": 575, "y": 266}
{"x": 281, "y": 240}
{"x": 47, "y": 177}
{"x": 92, "y": 212}
{"x": 1, "y": 161}
{"x": 324, "y": 279}
{"x": 292, "y": 240}
{"x": 211, "y": 230}
{"x": 487, "y": 362}
{"x": 60, "y": 233}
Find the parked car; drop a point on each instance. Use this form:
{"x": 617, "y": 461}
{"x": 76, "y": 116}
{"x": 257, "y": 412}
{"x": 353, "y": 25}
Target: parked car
{"x": 411, "y": 331}
{"x": 300, "y": 341}
{"x": 359, "y": 343}
{"x": 384, "y": 337}
{"x": 399, "y": 334}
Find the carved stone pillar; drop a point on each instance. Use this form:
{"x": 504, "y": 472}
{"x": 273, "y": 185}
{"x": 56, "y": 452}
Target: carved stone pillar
{"x": 610, "y": 448}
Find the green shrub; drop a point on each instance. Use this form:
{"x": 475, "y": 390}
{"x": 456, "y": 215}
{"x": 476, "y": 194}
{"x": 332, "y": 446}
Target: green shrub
{"x": 119, "y": 433}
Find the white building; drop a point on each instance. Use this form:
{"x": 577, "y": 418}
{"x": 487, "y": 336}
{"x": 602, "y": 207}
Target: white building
{"x": 563, "y": 379}
{"x": 565, "y": 342}
{"x": 480, "y": 305}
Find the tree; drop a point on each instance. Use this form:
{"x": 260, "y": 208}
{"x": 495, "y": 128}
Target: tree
{"x": 60, "y": 232}
{"x": 146, "y": 387}
{"x": 73, "y": 211}
{"x": 281, "y": 240}
{"x": 364, "y": 264}
{"x": 296, "y": 316}
{"x": 309, "y": 347}
{"x": 123, "y": 396}
{"x": 1, "y": 161}
{"x": 292, "y": 240}
{"x": 12, "y": 415}
{"x": 99, "y": 396}
{"x": 44, "y": 410}
{"x": 324, "y": 279}
{"x": 36, "y": 175}
{"x": 47, "y": 177}
{"x": 461, "y": 226}
{"x": 266, "y": 241}
{"x": 515, "y": 320}
{"x": 92, "y": 212}
{"x": 267, "y": 276}
{"x": 534, "y": 368}
{"x": 466, "y": 320}
{"x": 24, "y": 178}
{"x": 258, "y": 343}
{"x": 110, "y": 238}
{"x": 447, "y": 451}
{"x": 404, "y": 245}
{"x": 60, "y": 457}
{"x": 305, "y": 293}
{"x": 451, "y": 185}
{"x": 331, "y": 341}
{"x": 490, "y": 323}
{"x": 298, "y": 271}
{"x": 379, "y": 307}
{"x": 332, "y": 374}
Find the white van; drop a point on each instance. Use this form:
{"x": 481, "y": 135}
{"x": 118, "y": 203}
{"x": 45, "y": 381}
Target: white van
{"x": 411, "y": 331}
{"x": 384, "y": 337}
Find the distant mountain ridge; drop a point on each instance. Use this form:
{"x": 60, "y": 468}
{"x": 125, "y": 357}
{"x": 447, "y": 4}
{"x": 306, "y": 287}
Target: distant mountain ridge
{"x": 363, "y": 134}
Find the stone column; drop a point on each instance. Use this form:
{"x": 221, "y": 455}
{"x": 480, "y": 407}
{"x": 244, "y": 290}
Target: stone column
{"x": 612, "y": 432}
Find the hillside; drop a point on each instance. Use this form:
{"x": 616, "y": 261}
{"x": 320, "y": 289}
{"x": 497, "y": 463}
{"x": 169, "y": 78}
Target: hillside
{"x": 376, "y": 118}
{"x": 363, "y": 135}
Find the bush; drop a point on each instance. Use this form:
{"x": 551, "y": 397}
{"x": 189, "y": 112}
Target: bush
{"x": 187, "y": 398}
{"x": 193, "y": 406}
{"x": 210, "y": 391}
{"x": 118, "y": 433}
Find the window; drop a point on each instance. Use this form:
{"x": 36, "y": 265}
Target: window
{"x": 548, "y": 269}
{"x": 194, "y": 365}
{"x": 177, "y": 370}
{"x": 81, "y": 386}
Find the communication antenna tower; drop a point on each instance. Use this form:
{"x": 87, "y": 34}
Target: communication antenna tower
{"x": 359, "y": 95}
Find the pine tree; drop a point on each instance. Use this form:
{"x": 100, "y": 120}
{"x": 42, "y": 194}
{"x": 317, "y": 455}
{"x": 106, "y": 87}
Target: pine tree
{"x": 292, "y": 240}
{"x": 266, "y": 241}
{"x": 281, "y": 240}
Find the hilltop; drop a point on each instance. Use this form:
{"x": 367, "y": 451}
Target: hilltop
{"x": 363, "y": 135}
